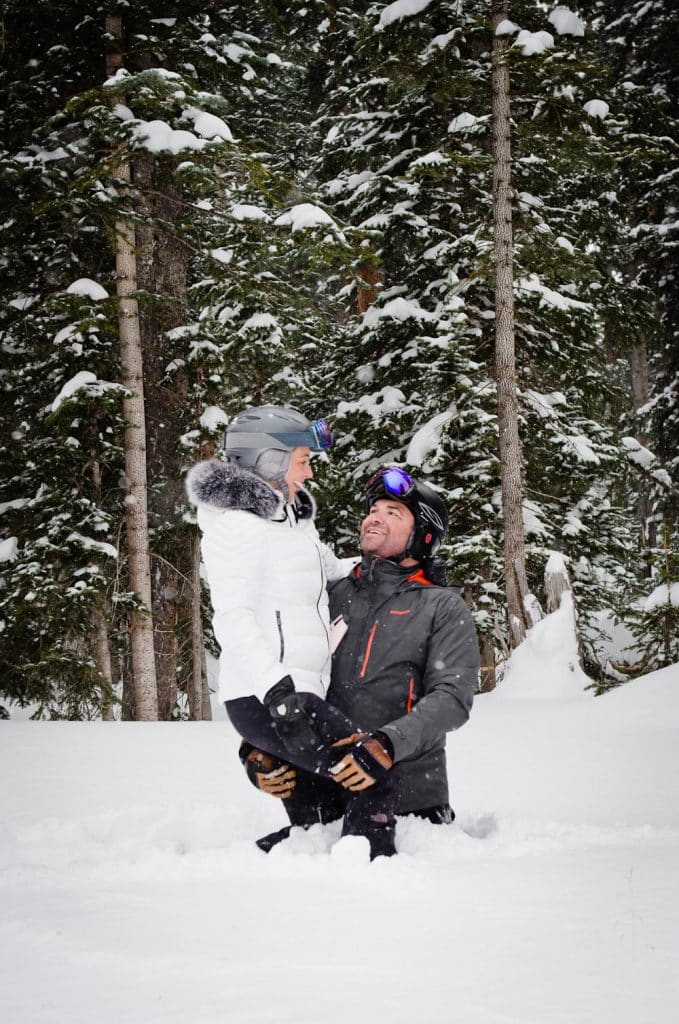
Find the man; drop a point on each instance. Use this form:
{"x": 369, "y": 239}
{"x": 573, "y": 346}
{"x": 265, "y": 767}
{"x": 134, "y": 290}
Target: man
{"x": 405, "y": 668}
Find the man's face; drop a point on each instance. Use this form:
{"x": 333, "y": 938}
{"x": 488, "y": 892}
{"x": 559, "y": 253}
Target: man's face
{"x": 299, "y": 470}
{"x": 386, "y": 529}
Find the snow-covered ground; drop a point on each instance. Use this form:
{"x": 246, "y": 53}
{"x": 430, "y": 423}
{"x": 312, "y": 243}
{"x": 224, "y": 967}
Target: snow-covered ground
{"x": 131, "y": 890}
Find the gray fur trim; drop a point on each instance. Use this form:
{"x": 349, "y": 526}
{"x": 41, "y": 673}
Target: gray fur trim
{"x": 227, "y": 485}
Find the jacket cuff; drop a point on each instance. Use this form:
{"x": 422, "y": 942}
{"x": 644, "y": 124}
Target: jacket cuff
{"x": 396, "y": 739}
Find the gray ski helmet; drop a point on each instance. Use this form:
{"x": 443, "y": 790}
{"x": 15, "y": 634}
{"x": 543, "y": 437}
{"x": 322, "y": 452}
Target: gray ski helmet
{"x": 426, "y": 505}
{"x": 262, "y": 439}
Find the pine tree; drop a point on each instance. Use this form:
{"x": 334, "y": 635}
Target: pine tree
{"x": 225, "y": 319}
{"x": 406, "y": 160}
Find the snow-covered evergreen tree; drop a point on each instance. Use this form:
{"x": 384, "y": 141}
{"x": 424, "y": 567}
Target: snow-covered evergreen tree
{"x": 406, "y": 160}
{"x": 224, "y": 290}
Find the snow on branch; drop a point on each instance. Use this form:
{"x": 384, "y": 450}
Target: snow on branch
{"x": 566, "y": 23}
{"x": 647, "y": 463}
{"x": 399, "y": 10}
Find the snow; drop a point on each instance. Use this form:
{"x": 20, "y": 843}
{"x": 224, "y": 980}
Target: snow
{"x": 596, "y": 108}
{"x": 245, "y": 211}
{"x": 506, "y": 28}
{"x": 534, "y": 42}
{"x": 637, "y": 453}
{"x": 399, "y": 10}
{"x": 84, "y": 379}
{"x": 222, "y": 255}
{"x": 158, "y": 137}
{"x": 665, "y": 594}
{"x": 88, "y": 288}
{"x": 396, "y": 309}
{"x": 22, "y": 302}
{"x": 580, "y": 446}
{"x": 131, "y": 889}
{"x": 122, "y": 112}
{"x": 80, "y": 380}
{"x": 259, "y": 321}
{"x": 433, "y": 159}
{"x": 552, "y": 642}
{"x": 208, "y": 126}
{"x": 548, "y": 295}
{"x": 305, "y": 215}
{"x": 462, "y": 122}
{"x": 532, "y": 518}
{"x": 213, "y": 418}
{"x": 8, "y": 549}
{"x": 93, "y": 545}
{"x": 556, "y": 564}
{"x": 566, "y": 22}
{"x": 427, "y": 438}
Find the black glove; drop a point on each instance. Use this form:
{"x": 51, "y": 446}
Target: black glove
{"x": 292, "y": 722}
{"x": 365, "y": 758}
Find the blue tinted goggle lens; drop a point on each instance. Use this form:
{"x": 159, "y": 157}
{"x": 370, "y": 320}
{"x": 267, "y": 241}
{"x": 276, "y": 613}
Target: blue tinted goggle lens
{"x": 322, "y": 434}
{"x": 395, "y": 481}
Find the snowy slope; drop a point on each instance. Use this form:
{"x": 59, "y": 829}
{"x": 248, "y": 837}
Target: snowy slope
{"x": 131, "y": 891}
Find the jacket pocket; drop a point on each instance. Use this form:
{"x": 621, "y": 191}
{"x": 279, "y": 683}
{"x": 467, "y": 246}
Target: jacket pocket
{"x": 279, "y": 624}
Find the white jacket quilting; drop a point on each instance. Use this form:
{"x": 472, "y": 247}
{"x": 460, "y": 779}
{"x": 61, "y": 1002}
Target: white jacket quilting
{"x": 267, "y": 571}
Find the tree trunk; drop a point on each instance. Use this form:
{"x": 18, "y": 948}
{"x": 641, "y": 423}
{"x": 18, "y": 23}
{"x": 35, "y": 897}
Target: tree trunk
{"x": 505, "y": 367}
{"x": 558, "y": 583}
{"x": 198, "y": 684}
{"x": 132, "y": 377}
{"x": 488, "y": 677}
{"x": 104, "y": 662}
{"x": 139, "y": 558}
{"x": 101, "y": 644}
{"x": 162, "y": 275}
{"x": 644, "y": 511}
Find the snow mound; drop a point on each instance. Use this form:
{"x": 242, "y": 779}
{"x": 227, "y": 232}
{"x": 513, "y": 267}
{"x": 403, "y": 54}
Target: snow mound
{"x": 546, "y": 664}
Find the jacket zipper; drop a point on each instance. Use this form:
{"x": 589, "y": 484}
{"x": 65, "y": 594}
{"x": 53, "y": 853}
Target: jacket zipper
{"x": 320, "y": 594}
{"x": 366, "y": 659}
{"x": 279, "y": 623}
{"x": 411, "y": 696}
{"x": 374, "y": 607}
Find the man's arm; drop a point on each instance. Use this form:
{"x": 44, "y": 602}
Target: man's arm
{"x": 449, "y": 682}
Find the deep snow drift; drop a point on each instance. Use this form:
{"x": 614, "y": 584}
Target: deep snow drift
{"x": 131, "y": 890}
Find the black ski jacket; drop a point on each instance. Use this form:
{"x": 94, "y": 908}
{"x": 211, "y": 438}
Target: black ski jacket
{"x": 408, "y": 665}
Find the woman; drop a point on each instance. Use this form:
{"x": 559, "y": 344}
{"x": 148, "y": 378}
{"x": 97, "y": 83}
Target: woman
{"x": 267, "y": 570}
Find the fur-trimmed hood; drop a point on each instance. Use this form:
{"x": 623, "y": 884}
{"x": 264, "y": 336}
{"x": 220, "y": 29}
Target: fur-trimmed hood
{"x": 228, "y": 486}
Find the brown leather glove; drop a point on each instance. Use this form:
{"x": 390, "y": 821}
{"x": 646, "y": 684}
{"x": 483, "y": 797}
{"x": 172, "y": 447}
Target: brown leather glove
{"x": 366, "y": 759}
{"x": 270, "y": 774}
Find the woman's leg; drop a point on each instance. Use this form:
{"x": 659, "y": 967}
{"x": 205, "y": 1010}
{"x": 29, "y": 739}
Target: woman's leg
{"x": 317, "y": 796}
{"x": 251, "y": 719}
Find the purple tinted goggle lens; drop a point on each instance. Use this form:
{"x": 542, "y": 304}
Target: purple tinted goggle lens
{"x": 395, "y": 481}
{"x": 322, "y": 434}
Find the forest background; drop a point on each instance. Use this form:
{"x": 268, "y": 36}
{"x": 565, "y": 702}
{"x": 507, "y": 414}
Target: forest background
{"x": 209, "y": 205}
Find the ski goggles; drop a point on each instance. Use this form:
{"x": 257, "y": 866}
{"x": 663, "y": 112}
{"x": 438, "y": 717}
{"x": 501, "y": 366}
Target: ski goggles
{"x": 394, "y": 481}
{"x": 322, "y": 434}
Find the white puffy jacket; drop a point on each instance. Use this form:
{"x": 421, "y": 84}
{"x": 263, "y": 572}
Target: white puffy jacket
{"x": 267, "y": 571}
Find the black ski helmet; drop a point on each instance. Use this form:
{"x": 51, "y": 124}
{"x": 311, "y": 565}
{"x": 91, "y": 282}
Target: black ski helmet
{"x": 426, "y": 505}
{"x": 262, "y": 439}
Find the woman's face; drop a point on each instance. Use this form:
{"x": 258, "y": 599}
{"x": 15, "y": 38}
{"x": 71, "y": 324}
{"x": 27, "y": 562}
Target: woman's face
{"x": 299, "y": 470}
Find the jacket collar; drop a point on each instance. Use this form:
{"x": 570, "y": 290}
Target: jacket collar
{"x": 228, "y": 486}
{"x": 378, "y": 570}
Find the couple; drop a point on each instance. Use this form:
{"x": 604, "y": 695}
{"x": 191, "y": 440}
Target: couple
{"x": 362, "y": 736}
